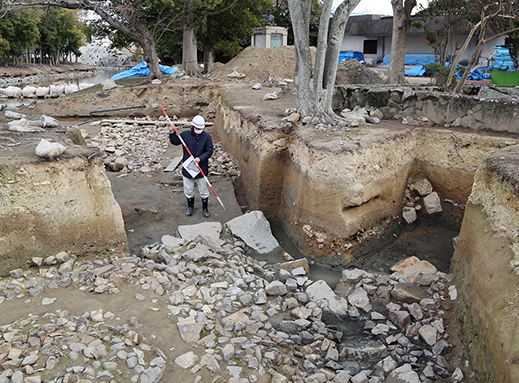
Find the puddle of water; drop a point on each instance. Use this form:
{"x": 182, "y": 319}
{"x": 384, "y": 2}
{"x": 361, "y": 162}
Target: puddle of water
{"x": 428, "y": 239}
{"x": 317, "y": 272}
{"x": 352, "y": 330}
{"x": 100, "y": 76}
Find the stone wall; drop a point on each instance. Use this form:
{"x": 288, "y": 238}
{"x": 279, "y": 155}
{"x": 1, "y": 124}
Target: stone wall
{"x": 52, "y": 206}
{"x": 491, "y": 109}
{"x": 486, "y": 264}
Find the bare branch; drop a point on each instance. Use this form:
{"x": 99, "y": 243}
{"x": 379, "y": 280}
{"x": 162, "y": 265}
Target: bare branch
{"x": 225, "y": 9}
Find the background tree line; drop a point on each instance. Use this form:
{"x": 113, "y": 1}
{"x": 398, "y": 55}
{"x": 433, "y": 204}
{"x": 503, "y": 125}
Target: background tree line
{"x": 40, "y": 36}
{"x": 173, "y": 32}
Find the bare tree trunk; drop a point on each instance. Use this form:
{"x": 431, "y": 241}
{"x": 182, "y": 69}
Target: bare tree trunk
{"x": 401, "y": 24}
{"x": 300, "y": 15}
{"x": 446, "y": 47}
{"x": 314, "y": 87}
{"x": 189, "y": 52}
{"x": 208, "y": 58}
{"x": 150, "y": 56}
{"x": 208, "y": 46}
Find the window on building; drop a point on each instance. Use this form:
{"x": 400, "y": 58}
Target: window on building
{"x": 370, "y": 47}
{"x": 276, "y": 41}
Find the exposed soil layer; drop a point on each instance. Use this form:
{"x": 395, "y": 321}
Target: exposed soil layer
{"x": 153, "y": 205}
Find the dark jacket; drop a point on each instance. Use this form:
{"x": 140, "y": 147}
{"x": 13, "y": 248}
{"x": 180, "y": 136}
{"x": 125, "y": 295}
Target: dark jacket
{"x": 200, "y": 145}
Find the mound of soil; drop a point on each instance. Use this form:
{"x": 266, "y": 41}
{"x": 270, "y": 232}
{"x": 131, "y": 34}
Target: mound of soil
{"x": 353, "y": 72}
{"x": 270, "y": 65}
{"x": 265, "y": 65}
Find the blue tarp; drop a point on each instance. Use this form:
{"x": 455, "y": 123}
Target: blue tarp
{"x": 419, "y": 71}
{"x": 416, "y": 59}
{"x": 142, "y": 70}
{"x": 351, "y": 55}
{"x": 502, "y": 59}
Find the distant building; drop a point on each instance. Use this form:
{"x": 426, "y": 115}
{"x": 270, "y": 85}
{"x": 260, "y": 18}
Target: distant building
{"x": 269, "y": 37}
{"x": 371, "y": 35}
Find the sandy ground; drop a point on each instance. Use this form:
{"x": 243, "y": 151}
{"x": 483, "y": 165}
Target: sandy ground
{"x": 155, "y": 205}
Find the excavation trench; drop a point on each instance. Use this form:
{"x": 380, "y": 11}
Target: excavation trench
{"x": 340, "y": 201}
{"x": 334, "y": 197}
{"x": 339, "y": 197}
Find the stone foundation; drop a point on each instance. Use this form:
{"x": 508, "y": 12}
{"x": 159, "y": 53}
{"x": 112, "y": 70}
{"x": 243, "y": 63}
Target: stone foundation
{"x": 492, "y": 109}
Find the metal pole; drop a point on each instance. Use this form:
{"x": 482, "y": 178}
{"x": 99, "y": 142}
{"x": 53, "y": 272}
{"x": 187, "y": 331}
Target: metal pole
{"x": 110, "y": 110}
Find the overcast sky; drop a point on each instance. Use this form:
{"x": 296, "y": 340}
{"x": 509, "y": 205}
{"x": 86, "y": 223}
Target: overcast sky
{"x": 382, "y": 7}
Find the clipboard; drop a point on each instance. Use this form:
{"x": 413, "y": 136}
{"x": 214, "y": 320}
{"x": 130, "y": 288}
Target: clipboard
{"x": 191, "y": 167}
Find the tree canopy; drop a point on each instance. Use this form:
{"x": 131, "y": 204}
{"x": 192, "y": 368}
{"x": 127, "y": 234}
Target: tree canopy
{"x": 45, "y": 33}
{"x": 482, "y": 15}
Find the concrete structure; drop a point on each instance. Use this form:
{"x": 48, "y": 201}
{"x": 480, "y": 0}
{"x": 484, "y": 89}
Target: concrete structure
{"x": 269, "y": 37}
{"x": 371, "y": 35}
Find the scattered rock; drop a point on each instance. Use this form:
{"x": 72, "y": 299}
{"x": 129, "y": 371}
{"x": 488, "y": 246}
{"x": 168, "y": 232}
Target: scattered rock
{"x": 270, "y": 96}
{"x": 236, "y": 74}
{"x": 432, "y": 203}
{"x": 49, "y": 149}
{"x": 109, "y": 84}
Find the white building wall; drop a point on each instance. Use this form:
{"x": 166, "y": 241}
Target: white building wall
{"x": 258, "y": 40}
{"x": 415, "y": 45}
{"x": 353, "y": 44}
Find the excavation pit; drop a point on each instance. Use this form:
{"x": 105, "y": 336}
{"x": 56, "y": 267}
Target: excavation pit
{"x": 338, "y": 200}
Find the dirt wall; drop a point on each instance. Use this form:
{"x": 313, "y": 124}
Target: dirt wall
{"x": 329, "y": 190}
{"x": 52, "y": 206}
{"x": 486, "y": 262}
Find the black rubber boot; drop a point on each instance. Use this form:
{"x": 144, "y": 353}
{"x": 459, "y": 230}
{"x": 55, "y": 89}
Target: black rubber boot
{"x": 205, "y": 212}
{"x": 190, "y": 206}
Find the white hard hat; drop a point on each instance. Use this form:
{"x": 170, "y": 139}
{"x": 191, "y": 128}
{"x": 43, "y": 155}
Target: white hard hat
{"x": 198, "y": 122}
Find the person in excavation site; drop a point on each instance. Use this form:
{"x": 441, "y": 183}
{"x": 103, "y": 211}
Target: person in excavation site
{"x": 200, "y": 144}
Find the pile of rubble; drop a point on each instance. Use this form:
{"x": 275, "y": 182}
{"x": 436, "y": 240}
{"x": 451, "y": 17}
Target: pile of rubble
{"x": 59, "y": 347}
{"x": 263, "y": 65}
{"x": 353, "y": 72}
{"x": 420, "y": 194}
{"x": 140, "y": 146}
{"x": 243, "y": 318}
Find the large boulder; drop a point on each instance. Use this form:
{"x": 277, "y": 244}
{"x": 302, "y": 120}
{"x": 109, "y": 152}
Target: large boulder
{"x": 326, "y": 299}
{"x": 254, "y": 229}
{"x": 413, "y": 269}
{"x": 190, "y": 233}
